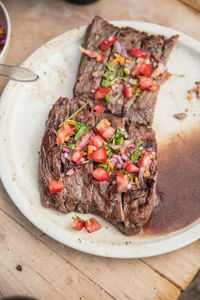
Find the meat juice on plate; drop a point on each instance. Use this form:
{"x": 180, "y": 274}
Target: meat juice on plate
{"x": 178, "y": 185}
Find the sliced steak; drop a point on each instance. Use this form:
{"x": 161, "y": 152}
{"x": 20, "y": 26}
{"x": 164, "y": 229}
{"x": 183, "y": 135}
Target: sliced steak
{"x": 82, "y": 193}
{"x": 97, "y": 31}
{"x": 141, "y": 110}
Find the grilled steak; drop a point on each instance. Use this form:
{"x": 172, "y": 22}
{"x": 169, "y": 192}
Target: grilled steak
{"x": 97, "y": 31}
{"x": 129, "y": 210}
{"x": 139, "y": 109}
{"x": 106, "y": 163}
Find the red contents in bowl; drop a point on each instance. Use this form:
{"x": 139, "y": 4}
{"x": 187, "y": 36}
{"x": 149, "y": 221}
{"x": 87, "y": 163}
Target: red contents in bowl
{"x": 2, "y": 38}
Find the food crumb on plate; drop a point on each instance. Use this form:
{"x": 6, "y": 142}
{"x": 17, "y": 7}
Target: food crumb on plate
{"x": 180, "y": 116}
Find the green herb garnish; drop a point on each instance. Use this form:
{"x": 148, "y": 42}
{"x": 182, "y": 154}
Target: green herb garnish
{"x": 76, "y": 112}
{"x": 120, "y": 72}
{"x": 61, "y": 146}
{"x": 109, "y": 75}
{"x": 107, "y": 98}
{"x": 135, "y": 155}
{"x": 118, "y": 139}
{"x": 110, "y": 66}
{"x": 82, "y": 129}
{"x": 108, "y": 151}
{"x": 125, "y": 173}
{"x": 105, "y": 83}
{"x": 88, "y": 221}
{"x": 70, "y": 145}
{"x": 86, "y": 162}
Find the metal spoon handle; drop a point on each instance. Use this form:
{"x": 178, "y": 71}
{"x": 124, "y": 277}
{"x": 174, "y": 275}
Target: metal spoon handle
{"x": 18, "y": 73}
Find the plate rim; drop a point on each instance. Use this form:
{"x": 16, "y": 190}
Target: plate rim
{"x": 116, "y": 251}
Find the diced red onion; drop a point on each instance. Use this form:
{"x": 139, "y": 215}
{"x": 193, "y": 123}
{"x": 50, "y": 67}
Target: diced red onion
{"x": 120, "y": 159}
{"x": 124, "y": 51}
{"x": 93, "y": 91}
{"x": 65, "y": 149}
{"x": 125, "y": 157}
{"x": 62, "y": 157}
{"x": 119, "y": 166}
{"x": 118, "y": 47}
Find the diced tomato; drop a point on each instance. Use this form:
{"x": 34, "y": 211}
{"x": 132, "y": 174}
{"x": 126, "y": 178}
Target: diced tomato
{"x": 107, "y": 43}
{"x": 55, "y": 186}
{"x": 100, "y": 174}
{"x": 144, "y": 69}
{"x": 108, "y": 134}
{"x": 76, "y": 156}
{"x": 64, "y": 133}
{"x": 84, "y": 140}
{"x": 99, "y": 155}
{"x": 93, "y": 54}
{"x": 131, "y": 168}
{"x": 92, "y": 225}
{"x": 101, "y": 92}
{"x": 78, "y": 224}
{"x": 128, "y": 92}
{"x": 105, "y": 130}
{"x": 96, "y": 141}
{"x": 145, "y": 161}
{"x": 98, "y": 109}
{"x": 135, "y": 52}
{"x": 122, "y": 182}
{"x": 146, "y": 83}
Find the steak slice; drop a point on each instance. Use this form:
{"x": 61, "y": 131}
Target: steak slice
{"x": 139, "y": 109}
{"x": 127, "y": 211}
{"x": 97, "y": 31}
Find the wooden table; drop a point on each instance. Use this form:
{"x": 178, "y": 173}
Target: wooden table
{"x": 31, "y": 263}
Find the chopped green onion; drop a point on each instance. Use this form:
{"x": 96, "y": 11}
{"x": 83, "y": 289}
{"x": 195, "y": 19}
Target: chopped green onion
{"x": 61, "y": 146}
{"x": 56, "y": 132}
{"x": 88, "y": 221}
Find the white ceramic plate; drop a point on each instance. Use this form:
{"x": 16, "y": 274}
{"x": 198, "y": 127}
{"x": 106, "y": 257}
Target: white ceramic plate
{"x": 24, "y": 109}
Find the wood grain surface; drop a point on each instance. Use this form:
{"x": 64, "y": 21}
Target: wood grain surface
{"x": 33, "y": 264}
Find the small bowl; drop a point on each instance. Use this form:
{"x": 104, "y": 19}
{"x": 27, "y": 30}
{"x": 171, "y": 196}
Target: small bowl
{"x": 5, "y": 22}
